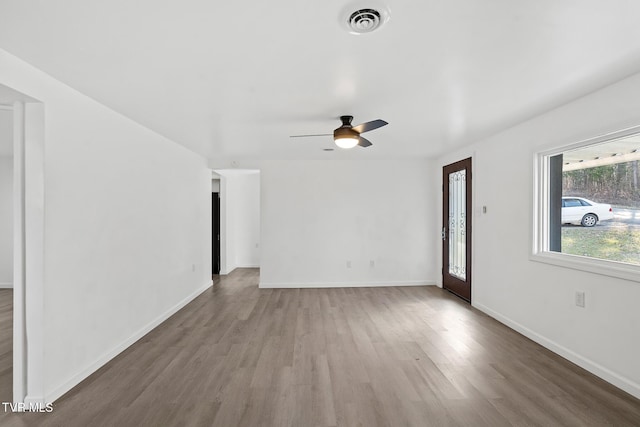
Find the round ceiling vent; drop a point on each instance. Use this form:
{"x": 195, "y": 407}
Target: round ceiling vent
{"x": 369, "y": 15}
{"x": 364, "y": 21}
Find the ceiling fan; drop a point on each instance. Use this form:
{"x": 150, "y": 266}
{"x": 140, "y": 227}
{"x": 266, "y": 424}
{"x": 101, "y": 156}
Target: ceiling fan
{"x": 347, "y": 136}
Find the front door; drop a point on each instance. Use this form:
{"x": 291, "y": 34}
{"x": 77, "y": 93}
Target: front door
{"x": 456, "y": 228}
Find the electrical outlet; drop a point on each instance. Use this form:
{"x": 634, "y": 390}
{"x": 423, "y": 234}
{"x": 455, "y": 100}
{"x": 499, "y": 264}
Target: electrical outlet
{"x": 348, "y": 264}
{"x": 580, "y": 298}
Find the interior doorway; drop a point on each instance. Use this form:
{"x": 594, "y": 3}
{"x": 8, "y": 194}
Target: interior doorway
{"x": 27, "y": 237}
{"x": 456, "y": 228}
{"x": 239, "y": 193}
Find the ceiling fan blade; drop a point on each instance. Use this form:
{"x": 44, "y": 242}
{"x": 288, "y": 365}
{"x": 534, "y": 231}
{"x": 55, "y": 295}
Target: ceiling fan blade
{"x": 305, "y": 136}
{"x": 366, "y": 127}
{"x": 364, "y": 142}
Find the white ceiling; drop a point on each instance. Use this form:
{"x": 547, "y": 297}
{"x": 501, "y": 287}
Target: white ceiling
{"x": 234, "y": 79}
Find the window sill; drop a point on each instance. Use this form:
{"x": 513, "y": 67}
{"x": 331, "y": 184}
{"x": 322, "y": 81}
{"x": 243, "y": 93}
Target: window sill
{"x": 591, "y": 265}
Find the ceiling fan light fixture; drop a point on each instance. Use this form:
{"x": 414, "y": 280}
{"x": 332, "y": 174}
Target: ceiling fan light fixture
{"x": 346, "y": 142}
{"x": 348, "y": 136}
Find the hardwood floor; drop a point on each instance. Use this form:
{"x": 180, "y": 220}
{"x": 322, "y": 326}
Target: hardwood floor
{"x": 412, "y": 356}
{"x": 6, "y": 345}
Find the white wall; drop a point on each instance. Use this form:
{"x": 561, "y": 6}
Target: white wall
{"x": 247, "y": 213}
{"x": 127, "y": 228}
{"x": 227, "y": 229}
{"x": 239, "y": 219}
{"x": 318, "y": 215}
{"x": 6, "y": 215}
{"x": 538, "y": 299}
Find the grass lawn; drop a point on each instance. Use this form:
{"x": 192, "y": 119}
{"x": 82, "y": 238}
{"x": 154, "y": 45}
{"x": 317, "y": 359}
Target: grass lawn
{"x": 611, "y": 243}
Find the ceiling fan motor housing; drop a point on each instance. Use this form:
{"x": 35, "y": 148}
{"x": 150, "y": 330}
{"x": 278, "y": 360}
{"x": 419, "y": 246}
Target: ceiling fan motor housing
{"x": 346, "y": 121}
{"x": 345, "y": 132}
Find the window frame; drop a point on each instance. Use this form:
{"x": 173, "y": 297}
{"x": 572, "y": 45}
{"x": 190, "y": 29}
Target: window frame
{"x": 540, "y": 228}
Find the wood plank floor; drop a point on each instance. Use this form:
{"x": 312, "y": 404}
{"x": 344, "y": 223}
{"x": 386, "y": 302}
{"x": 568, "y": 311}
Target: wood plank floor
{"x": 6, "y": 345}
{"x": 412, "y": 356}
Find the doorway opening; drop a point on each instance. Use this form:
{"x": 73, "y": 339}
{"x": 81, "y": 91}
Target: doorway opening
{"x": 456, "y": 228}
{"x": 23, "y": 363}
{"x": 239, "y": 218}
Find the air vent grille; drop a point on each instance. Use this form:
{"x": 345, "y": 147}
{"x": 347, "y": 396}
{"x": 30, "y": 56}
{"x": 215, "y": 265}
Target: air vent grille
{"x": 364, "y": 21}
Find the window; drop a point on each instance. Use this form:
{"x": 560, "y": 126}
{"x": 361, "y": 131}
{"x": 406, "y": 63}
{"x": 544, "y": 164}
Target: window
{"x": 569, "y": 203}
{"x": 587, "y": 205}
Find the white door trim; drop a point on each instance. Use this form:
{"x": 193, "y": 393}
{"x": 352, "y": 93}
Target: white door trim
{"x": 28, "y": 326}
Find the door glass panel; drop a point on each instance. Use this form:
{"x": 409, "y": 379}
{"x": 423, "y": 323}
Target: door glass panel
{"x": 457, "y": 224}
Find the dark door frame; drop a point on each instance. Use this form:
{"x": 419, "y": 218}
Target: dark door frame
{"x": 453, "y": 284}
{"x": 215, "y": 233}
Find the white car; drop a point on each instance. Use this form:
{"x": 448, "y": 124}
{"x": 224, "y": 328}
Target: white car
{"x": 578, "y": 210}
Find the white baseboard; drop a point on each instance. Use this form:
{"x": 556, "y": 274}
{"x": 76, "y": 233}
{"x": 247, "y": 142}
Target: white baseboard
{"x": 606, "y": 374}
{"x": 6, "y": 285}
{"x": 30, "y": 404}
{"x": 297, "y": 285}
{"x": 227, "y": 272}
{"x": 80, "y": 376}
